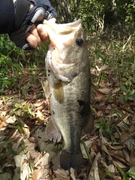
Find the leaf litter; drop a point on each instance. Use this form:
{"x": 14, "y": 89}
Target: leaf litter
{"x": 27, "y": 154}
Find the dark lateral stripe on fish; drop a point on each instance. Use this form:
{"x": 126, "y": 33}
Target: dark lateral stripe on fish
{"x": 58, "y": 92}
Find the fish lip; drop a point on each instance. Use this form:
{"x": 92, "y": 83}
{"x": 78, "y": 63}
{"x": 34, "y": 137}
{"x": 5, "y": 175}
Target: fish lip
{"x": 71, "y": 24}
{"x": 62, "y": 40}
{"x": 52, "y": 47}
{"x": 54, "y": 30}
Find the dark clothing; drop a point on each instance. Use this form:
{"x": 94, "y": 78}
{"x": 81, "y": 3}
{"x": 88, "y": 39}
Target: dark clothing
{"x": 7, "y": 16}
{"x": 14, "y": 16}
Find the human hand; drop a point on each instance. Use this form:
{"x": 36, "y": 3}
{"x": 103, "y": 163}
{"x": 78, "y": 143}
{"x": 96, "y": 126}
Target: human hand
{"x": 28, "y": 19}
{"x": 37, "y": 34}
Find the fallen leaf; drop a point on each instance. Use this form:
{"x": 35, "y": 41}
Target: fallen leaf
{"x": 105, "y": 90}
{"x": 94, "y": 172}
{"x": 61, "y": 174}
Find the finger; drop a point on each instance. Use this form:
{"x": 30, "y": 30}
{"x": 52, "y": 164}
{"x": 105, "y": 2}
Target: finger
{"x": 42, "y": 32}
{"x": 32, "y": 40}
{"x": 34, "y": 32}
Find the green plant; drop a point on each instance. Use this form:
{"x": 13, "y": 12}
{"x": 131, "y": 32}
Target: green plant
{"x": 86, "y": 149}
{"x": 126, "y": 175}
{"x": 105, "y": 127}
{"x": 127, "y": 93}
{"x": 9, "y": 150}
{"x": 10, "y": 68}
{"x": 14, "y": 61}
{"x": 22, "y": 110}
{"x": 108, "y": 173}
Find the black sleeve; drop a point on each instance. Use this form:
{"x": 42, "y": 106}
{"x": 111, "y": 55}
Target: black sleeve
{"x": 11, "y": 19}
{"x": 7, "y": 16}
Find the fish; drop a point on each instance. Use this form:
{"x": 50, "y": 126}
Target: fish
{"x": 69, "y": 83}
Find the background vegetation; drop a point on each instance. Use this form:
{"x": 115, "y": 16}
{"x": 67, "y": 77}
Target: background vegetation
{"x": 108, "y": 23}
{"x": 110, "y": 35}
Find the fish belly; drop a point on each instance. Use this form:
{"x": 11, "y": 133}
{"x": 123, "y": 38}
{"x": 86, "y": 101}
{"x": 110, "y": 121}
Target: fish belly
{"x": 70, "y": 110}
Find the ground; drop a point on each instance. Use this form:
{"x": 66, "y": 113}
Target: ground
{"x": 109, "y": 152}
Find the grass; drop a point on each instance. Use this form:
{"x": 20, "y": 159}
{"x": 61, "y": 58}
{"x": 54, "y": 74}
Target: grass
{"x": 16, "y": 64}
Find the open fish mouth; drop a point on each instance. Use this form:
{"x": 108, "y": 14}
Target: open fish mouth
{"x": 65, "y": 49}
{"x": 62, "y": 35}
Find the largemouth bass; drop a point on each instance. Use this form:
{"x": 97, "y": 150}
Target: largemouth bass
{"x": 68, "y": 74}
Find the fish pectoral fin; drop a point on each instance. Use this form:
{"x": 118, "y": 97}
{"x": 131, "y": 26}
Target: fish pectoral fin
{"x": 59, "y": 71}
{"x": 45, "y": 86}
{"x": 52, "y": 132}
{"x": 58, "y": 92}
{"x": 67, "y": 76}
{"x": 46, "y": 89}
{"x": 68, "y": 160}
{"x": 63, "y": 78}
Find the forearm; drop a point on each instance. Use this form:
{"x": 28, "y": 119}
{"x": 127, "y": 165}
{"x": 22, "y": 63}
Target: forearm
{"x": 9, "y": 14}
{"x": 18, "y": 17}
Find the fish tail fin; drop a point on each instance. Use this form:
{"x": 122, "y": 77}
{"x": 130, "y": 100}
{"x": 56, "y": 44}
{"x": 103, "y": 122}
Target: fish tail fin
{"x": 68, "y": 160}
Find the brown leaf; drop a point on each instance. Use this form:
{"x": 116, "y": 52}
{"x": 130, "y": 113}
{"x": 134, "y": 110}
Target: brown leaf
{"x": 60, "y": 173}
{"x": 94, "y": 172}
{"x": 132, "y": 158}
{"x": 41, "y": 174}
{"x": 124, "y": 136}
{"x": 131, "y": 144}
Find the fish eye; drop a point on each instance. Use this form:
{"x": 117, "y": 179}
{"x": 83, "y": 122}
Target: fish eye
{"x": 79, "y": 41}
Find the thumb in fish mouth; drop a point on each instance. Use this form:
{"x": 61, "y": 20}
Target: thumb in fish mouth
{"x": 42, "y": 30}
{"x": 49, "y": 27}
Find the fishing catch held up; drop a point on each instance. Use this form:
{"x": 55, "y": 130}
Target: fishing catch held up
{"x": 68, "y": 75}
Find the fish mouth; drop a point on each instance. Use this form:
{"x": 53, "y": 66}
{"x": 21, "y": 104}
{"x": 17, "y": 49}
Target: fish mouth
{"x": 62, "y": 35}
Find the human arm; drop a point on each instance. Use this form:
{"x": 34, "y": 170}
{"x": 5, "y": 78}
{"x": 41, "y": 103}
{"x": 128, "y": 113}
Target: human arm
{"x": 22, "y": 23}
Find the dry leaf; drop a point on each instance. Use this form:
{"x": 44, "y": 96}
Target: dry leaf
{"x": 21, "y": 162}
{"x": 105, "y": 90}
{"x": 39, "y": 115}
{"x": 124, "y": 137}
{"x": 130, "y": 144}
{"x": 118, "y": 163}
{"x": 60, "y": 173}
{"x": 94, "y": 172}
{"x": 44, "y": 160}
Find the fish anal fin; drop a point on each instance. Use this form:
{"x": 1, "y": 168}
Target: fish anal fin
{"x": 58, "y": 92}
